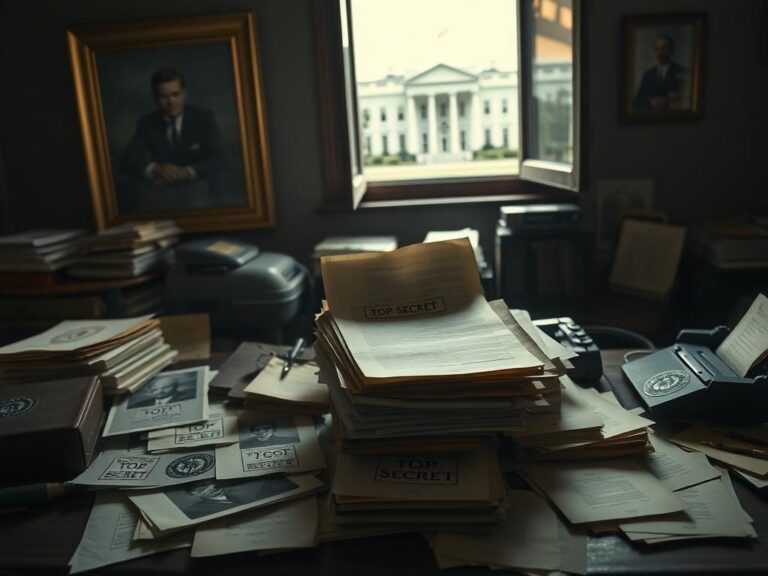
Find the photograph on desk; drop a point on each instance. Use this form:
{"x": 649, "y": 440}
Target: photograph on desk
{"x": 192, "y": 504}
{"x": 169, "y": 399}
{"x": 270, "y": 443}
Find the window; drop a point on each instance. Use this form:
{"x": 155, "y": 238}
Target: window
{"x": 368, "y": 145}
{"x": 349, "y": 37}
{"x": 400, "y": 113}
{"x": 505, "y": 137}
{"x": 402, "y": 143}
{"x": 383, "y": 114}
{"x": 384, "y": 146}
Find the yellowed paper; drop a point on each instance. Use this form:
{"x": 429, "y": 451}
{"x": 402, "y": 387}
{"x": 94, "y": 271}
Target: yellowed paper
{"x": 606, "y": 490}
{"x": 747, "y": 344}
{"x": 299, "y": 385}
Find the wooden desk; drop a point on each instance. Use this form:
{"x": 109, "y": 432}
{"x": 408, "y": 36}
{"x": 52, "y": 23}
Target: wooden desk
{"x": 41, "y": 542}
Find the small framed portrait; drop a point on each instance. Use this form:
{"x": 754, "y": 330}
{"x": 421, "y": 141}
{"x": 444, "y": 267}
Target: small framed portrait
{"x": 173, "y": 122}
{"x": 663, "y": 67}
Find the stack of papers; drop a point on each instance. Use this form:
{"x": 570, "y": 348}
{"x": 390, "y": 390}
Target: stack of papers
{"x": 128, "y": 250}
{"x": 589, "y": 425}
{"x": 123, "y": 353}
{"x": 181, "y": 471}
{"x": 418, "y": 363}
{"x": 421, "y": 490}
{"x": 40, "y": 250}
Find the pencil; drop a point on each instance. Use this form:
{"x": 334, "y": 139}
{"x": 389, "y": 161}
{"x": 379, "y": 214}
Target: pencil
{"x": 754, "y": 452}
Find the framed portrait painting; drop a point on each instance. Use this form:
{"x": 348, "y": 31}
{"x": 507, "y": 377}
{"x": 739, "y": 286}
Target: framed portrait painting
{"x": 173, "y": 122}
{"x": 662, "y": 67}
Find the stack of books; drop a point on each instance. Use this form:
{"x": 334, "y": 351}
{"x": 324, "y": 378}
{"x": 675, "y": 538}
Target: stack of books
{"x": 128, "y": 250}
{"x": 423, "y": 373}
{"x": 40, "y": 252}
{"x": 124, "y": 354}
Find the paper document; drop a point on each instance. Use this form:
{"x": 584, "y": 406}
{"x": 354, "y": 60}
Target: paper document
{"x": 419, "y": 311}
{"x": 677, "y": 468}
{"x": 108, "y": 536}
{"x": 212, "y": 432}
{"x": 169, "y": 399}
{"x": 606, "y": 490}
{"x": 192, "y": 504}
{"x": 747, "y": 344}
{"x": 281, "y": 527}
{"x": 270, "y": 443}
{"x": 300, "y": 385}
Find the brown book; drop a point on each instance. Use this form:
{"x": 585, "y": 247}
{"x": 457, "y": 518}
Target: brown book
{"x": 48, "y": 430}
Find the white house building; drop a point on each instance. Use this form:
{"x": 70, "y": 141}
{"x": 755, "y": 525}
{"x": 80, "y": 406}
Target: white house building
{"x": 444, "y": 114}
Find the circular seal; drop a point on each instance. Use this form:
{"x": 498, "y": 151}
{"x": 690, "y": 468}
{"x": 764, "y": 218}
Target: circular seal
{"x": 666, "y": 383}
{"x": 189, "y": 466}
{"x": 76, "y": 334}
{"x": 16, "y": 406}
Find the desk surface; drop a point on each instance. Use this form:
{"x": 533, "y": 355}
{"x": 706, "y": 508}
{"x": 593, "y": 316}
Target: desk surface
{"x": 42, "y": 541}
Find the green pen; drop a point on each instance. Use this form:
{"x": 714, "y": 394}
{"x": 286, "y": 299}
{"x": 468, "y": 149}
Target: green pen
{"x": 25, "y": 494}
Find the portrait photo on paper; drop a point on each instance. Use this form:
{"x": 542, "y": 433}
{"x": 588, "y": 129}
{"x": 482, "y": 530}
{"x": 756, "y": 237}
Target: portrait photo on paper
{"x": 167, "y": 400}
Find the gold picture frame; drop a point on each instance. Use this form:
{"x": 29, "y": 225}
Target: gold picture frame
{"x": 663, "y": 65}
{"x": 219, "y": 141}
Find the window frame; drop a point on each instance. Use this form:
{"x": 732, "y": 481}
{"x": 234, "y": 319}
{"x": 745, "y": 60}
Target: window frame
{"x": 345, "y": 190}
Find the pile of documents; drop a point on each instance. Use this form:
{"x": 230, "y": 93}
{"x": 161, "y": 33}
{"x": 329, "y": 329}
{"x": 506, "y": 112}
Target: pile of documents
{"x": 588, "y": 425}
{"x": 422, "y": 369}
{"x": 180, "y": 471}
{"x": 40, "y": 250}
{"x": 128, "y": 250}
{"x": 123, "y": 353}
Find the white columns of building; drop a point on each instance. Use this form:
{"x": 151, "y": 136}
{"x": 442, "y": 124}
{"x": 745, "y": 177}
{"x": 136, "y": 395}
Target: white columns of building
{"x": 454, "y": 122}
{"x": 477, "y": 128}
{"x": 432, "y": 124}
{"x": 410, "y": 118}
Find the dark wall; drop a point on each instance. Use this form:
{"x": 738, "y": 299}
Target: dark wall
{"x": 707, "y": 167}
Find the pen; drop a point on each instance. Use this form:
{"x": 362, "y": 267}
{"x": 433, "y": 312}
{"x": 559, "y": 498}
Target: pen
{"x": 292, "y": 355}
{"x": 754, "y": 452}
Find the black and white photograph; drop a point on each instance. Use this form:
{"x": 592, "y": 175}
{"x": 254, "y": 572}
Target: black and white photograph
{"x": 169, "y": 399}
{"x": 269, "y": 444}
{"x": 191, "y": 504}
{"x": 165, "y": 389}
{"x": 663, "y": 67}
{"x": 209, "y": 497}
{"x": 173, "y": 122}
{"x": 274, "y": 431}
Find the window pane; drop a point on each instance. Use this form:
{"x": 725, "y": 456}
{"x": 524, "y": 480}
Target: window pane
{"x": 451, "y": 68}
{"x": 550, "y": 101}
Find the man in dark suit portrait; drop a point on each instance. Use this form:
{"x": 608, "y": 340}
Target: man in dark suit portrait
{"x": 163, "y": 390}
{"x": 267, "y": 433}
{"x": 661, "y": 85}
{"x": 208, "y": 497}
{"x": 176, "y": 151}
